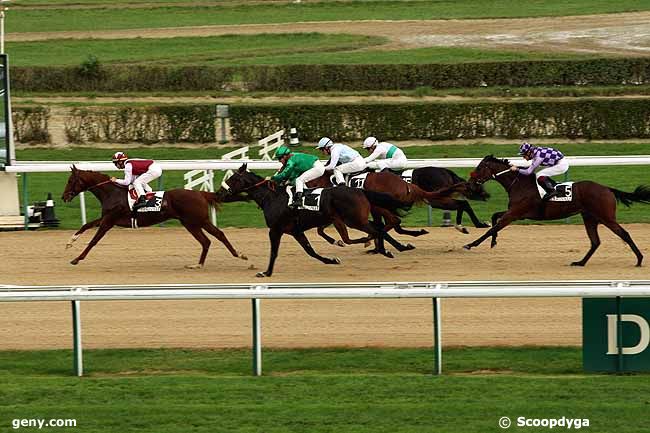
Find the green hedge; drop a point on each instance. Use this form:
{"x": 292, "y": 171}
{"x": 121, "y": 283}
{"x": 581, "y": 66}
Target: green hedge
{"x": 584, "y": 118}
{"x": 169, "y": 124}
{"x": 30, "y": 124}
{"x": 290, "y": 78}
{"x": 580, "y": 118}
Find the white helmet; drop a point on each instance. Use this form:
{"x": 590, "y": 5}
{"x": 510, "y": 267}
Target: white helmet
{"x": 324, "y": 143}
{"x": 369, "y": 142}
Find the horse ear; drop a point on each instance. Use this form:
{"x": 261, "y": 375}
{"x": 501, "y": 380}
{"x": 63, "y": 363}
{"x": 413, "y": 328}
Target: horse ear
{"x": 73, "y": 168}
{"x": 243, "y": 167}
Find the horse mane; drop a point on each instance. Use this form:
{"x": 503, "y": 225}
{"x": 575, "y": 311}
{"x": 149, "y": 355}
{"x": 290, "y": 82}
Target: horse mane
{"x": 492, "y": 158}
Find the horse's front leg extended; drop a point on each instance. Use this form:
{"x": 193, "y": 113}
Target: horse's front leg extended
{"x": 495, "y": 218}
{"x": 275, "y": 235}
{"x": 505, "y": 219}
{"x": 105, "y": 225}
{"x": 304, "y": 243}
{"x": 83, "y": 228}
{"x": 321, "y": 232}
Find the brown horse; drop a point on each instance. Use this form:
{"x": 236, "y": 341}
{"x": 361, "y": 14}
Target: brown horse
{"x": 387, "y": 182}
{"x": 190, "y": 207}
{"x": 596, "y": 203}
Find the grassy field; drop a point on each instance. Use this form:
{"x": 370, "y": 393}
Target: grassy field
{"x": 247, "y": 215}
{"x": 268, "y": 49}
{"x": 338, "y": 390}
{"x": 66, "y": 19}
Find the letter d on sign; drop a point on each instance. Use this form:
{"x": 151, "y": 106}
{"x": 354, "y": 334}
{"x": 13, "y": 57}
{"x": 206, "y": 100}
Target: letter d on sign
{"x": 612, "y": 334}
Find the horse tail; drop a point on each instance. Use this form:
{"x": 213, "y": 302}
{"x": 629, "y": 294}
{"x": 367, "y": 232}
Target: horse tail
{"x": 212, "y": 198}
{"x": 457, "y": 188}
{"x": 385, "y": 201}
{"x": 641, "y": 195}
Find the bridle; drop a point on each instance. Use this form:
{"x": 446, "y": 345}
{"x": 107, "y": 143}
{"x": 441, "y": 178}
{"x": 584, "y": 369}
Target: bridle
{"x": 495, "y": 175}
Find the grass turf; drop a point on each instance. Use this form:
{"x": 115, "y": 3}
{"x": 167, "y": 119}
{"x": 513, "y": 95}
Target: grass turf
{"x": 316, "y": 390}
{"x": 247, "y": 215}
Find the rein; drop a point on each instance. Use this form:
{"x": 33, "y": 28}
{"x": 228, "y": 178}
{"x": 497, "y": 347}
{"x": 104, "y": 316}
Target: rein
{"x": 99, "y": 184}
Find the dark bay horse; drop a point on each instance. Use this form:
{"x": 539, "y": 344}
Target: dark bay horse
{"x": 434, "y": 178}
{"x": 341, "y": 206}
{"x": 190, "y": 207}
{"x": 595, "y": 202}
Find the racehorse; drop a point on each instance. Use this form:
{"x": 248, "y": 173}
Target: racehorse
{"x": 341, "y": 206}
{"x": 595, "y": 202}
{"x": 392, "y": 184}
{"x": 190, "y": 207}
{"x": 433, "y": 178}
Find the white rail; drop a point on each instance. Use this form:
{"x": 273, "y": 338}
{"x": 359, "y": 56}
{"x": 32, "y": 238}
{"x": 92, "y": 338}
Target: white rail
{"x": 218, "y": 164}
{"x": 255, "y": 292}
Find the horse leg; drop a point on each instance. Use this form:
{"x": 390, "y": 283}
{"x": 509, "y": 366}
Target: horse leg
{"x": 342, "y": 229}
{"x": 104, "y": 226}
{"x": 393, "y": 221}
{"x": 214, "y": 231}
{"x": 304, "y": 243}
{"x": 198, "y": 234}
{"x": 505, "y": 219}
{"x": 591, "y": 225}
{"x": 623, "y": 234}
{"x": 465, "y": 207}
{"x": 495, "y": 218}
{"x": 83, "y": 228}
{"x": 274, "y": 237}
{"x": 321, "y": 232}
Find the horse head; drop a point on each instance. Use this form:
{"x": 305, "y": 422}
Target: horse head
{"x": 487, "y": 169}
{"x": 81, "y": 180}
{"x": 241, "y": 181}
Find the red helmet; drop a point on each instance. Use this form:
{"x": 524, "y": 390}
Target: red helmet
{"x": 119, "y": 158}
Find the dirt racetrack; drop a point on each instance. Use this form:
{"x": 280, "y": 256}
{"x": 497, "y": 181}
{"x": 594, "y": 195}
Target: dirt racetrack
{"x": 156, "y": 255}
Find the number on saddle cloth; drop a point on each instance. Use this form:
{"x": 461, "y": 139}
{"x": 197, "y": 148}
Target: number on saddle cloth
{"x": 564, "y": 192}
{"x": 407, "y": 176}
{"x": 310, "y": 198}
{"x": 154, "y": 201}
{"x": 357, "y": 181}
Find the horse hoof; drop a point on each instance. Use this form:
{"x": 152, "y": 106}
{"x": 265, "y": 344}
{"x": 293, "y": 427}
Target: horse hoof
{"x": 243, "y": 256}
{"x": 492, "y": 244}
{"x": 389, "y": 254}
{"x": 261, "y": 274}
{"x": 577, "y": 264}
{"x": 339, "y": 243}
{"x": 467, "y": 247}
{"x": 336, "y": 261}
{"x": 74, "y": 262}
{"x": 196, "y": 266}
{"x": 484, "y": 225}
{"x": 423, "y": 232}
{"x": 68, "y": 245}
{"x": 409, "y": 247}
{"x": 461, "y": 229}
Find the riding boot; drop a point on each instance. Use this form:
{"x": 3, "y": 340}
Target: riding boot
{"x": 140, "y": 203}
{"x": 549, "y": 187}
{"x": 297, "y": 200}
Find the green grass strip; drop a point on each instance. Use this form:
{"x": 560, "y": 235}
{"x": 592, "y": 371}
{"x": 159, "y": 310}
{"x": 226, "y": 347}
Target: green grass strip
{"x": 35, "y": 20}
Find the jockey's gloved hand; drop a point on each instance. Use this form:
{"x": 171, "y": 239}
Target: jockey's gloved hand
{"x": 267, "y": 178}
{"x": 514, "y": 168}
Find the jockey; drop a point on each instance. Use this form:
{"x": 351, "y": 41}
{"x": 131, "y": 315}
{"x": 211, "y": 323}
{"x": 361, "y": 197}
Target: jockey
{"x": 137, "y": 172}
{"x": 339, "y": 153}
{"x": 551, "y": 159}
{"x": 391, "y": 156}
{"x": 297, "y": 168}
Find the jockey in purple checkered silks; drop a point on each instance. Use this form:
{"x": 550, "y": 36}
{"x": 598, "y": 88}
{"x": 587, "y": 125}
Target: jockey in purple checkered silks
{"x": 552, "y": 161}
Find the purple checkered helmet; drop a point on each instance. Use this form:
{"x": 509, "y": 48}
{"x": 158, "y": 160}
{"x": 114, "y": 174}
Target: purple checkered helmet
{"x": 525, "y": 148}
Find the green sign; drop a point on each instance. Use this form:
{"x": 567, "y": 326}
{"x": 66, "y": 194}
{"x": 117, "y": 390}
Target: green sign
{"x": 616, "y": 334}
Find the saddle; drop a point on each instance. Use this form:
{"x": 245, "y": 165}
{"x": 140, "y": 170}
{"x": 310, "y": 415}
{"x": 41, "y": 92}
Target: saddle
{"x": 154, "y": 201}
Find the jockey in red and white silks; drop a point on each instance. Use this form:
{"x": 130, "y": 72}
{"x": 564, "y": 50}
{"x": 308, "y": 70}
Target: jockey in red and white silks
{"x": 137, "y": 172}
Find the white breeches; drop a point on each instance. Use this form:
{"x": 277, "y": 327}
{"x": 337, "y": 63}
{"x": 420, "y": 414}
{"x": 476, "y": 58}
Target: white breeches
{"x": 561, "y": 167}
{"x": 357, "y": 164}
{"x": 141, "y": 183}
{"x": 317, "y": 170}
{"x": 397, "y": 162}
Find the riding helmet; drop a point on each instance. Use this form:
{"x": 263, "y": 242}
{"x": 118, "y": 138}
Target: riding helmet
{"x": 369, "y": 142}
{"x": 119, "y": 158}
{"x": 282, "y": 151}
{"x": 324, "y": 143}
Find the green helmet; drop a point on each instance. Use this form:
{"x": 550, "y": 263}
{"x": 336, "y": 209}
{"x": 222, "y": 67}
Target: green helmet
{"x": 282, "y": 150}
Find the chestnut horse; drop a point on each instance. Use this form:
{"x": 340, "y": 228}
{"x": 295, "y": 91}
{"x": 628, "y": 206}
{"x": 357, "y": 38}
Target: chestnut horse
{"x": 595, "y": 202}
{"x": 190, "y": 207}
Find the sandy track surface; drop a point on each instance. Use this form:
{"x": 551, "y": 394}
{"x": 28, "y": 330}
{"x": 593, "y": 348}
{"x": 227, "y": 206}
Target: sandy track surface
{"x": 614, "y": 34}
{"x": 156, "y": 255}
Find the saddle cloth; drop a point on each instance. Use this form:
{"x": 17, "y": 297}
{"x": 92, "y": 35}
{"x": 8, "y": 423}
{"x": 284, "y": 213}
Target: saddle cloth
{"x": 152, "y": 205}
{"x": 310, "y": 198}
{"x": 564, "y": 191}
{"x": 357, "y": 181}
{"x": 407, "y": 175}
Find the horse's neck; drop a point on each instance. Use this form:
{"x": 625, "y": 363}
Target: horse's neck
{"x": 513, "y": 182}
{"x": 100, "y": 191}
{"x": 262, "y": 193}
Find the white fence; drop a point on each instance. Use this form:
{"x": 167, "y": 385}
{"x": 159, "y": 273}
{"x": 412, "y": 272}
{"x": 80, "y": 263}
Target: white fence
{"x": 256, "y": 292}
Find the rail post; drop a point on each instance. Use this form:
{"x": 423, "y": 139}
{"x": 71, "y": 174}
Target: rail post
{"x": 76, "y": 337}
